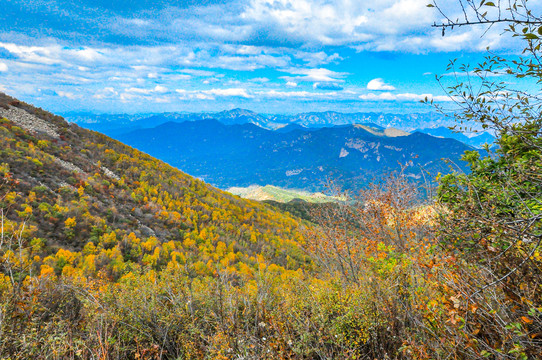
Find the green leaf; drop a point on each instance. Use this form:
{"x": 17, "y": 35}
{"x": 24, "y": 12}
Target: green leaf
{"x": 531, "y": 36}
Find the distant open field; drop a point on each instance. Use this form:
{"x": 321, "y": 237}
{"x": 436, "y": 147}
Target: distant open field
{"x": 270, "y": 192}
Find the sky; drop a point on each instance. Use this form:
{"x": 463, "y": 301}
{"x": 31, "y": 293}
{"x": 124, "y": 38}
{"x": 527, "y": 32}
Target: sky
{"x": 269, "y": 56}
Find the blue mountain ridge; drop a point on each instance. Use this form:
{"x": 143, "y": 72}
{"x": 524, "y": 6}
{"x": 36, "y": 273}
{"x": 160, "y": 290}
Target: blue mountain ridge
{"x": 246, "y": 154}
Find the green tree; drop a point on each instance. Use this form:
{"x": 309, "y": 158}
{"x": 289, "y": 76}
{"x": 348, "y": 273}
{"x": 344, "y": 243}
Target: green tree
{"x": 493, "y": 214}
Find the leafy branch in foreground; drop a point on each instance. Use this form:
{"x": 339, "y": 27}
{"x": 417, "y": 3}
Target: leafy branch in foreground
{"x": 493, "y": 217}
{"x": 488, "y": 13}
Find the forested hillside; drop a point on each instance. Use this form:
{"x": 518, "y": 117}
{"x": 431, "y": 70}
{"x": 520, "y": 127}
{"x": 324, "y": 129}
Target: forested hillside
{"x": 74, "y": 187}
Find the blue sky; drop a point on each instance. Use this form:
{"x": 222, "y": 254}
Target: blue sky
{"x": 270, "y": 56}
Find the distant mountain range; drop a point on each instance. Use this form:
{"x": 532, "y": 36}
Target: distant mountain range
{"x": 429, "y": 123}
{"x": 245, "y": 154}
{"x": 476, "y": 140}
{"x": 407, "y": 122}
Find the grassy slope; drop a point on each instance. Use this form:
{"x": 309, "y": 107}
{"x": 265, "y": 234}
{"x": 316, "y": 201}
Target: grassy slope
{"x": 275, "y": 193}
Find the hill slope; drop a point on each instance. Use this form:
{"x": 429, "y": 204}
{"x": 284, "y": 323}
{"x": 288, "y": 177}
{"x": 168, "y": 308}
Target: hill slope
{"x": 78, "y": 190}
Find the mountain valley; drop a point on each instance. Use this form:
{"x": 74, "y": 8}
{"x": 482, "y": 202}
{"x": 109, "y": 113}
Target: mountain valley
{"x": 295, "y": 157}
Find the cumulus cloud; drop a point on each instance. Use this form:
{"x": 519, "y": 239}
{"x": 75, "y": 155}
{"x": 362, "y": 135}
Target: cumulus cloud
{"x": 67, "y": 94}
{"x": 3, "y": 67}
{"x": 314, "y": 75}
{"x": 381, "y": 25}
{"x": 160, "y": 89}
{"x": 317, "y": 21}
{"x": 379, "y": 85}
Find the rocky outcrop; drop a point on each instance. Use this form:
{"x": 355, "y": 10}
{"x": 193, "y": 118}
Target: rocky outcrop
{"x": 28, "y": 121}
{"x": 69, "y": 166}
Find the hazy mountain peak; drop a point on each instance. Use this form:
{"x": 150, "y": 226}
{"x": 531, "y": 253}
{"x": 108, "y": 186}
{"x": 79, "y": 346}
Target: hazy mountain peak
{"x": 393, "y": 132}
{"x": 380, "y": 131}
{"x": 238, "y": 112}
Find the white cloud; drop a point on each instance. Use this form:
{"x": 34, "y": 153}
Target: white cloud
{"x": 251, "y": 62}
{"x": 180, "y": 77}
{"x": 248, "y": 50}
{"x": 67, "y": 95}
{"x": 387, "y": 96}
{"x": 341, "y": 22}
{"x": 377, "y": 97}
{"x": 156, "y": 89}
{"x": 312, "y": 20}
{"x": 228, "y": 92}
{"x": 198, "y": 72}
{"x": 126, "y": 97}
{"x": 286, "y": 36}
{"x": 379, "y": 85}
{"x": 380, "y": 25}
{"x": 238, "y": 92}
{"x": 213, "y": 93}
{"x": 162, "y": 100}
{"x": 285, "y": 94}
{"x": 314, "y": 75}
{"x": 47, "y": 55}
{"x": 105, "y": 93}
{"x": 313, "y": 59}
{"x": 452, "y": 42}
{"x": 295, "y": 94}
{"x": 55, "y": 54}
{"x": 260, "y": 80}
{"x": 86, "y": 54}
{"x": 138, "y": 91}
